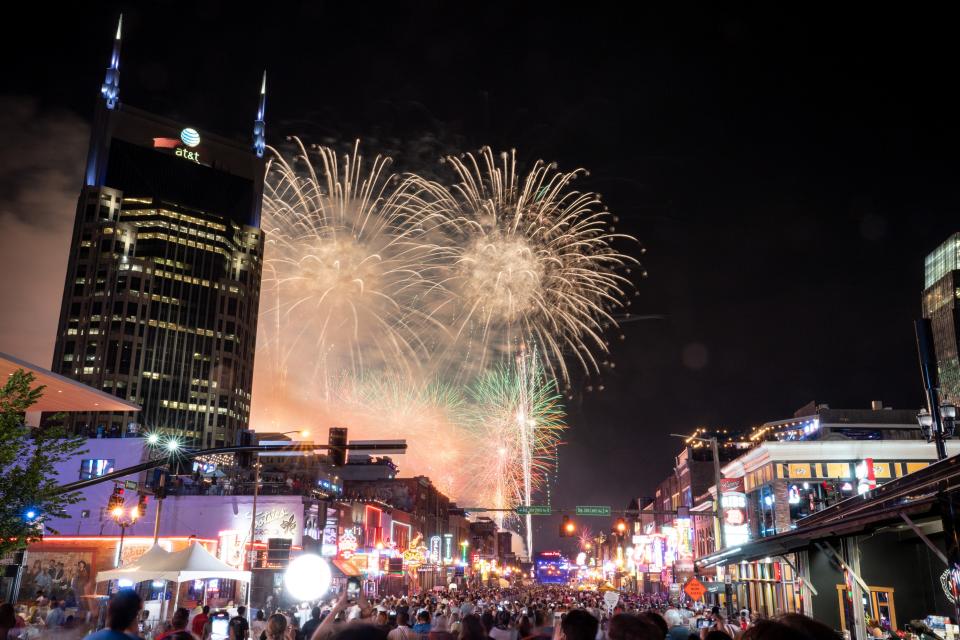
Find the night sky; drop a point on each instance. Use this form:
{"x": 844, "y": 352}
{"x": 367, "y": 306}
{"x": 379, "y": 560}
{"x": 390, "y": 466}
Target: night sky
{"x": 787, "y": 173}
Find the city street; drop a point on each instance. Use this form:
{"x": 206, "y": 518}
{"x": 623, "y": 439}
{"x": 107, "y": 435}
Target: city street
{"x": 479, "y": 321}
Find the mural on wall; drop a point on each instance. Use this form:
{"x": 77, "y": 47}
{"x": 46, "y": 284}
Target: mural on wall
{"x": 272, "y": 522}
{"x": 61, "y": 575}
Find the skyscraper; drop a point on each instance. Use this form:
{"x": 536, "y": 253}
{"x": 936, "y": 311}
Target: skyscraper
{"x": 940, "y": 294}
{"x": 163, "y": 282}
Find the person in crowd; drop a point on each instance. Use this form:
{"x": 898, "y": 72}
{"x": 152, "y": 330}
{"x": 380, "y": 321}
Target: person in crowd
{"x": 200, "y": 621}
{"x": 579, "y": 625}
{"x": 57, "y": 615}
{"x": 122, "y": 611}
{"x": 440, "y": 630}
{"x": 652, "y": 617}
{"x": 488, "y": 621}
{"x": 773, "y": 630}
{"x": 471, "y": 628}
{"x": 814, "y": 629}
{"x": 403, "y": 630}
{"x": 625, "y": 626}
{"x": 177, "y": 623}
{"x": 277, "y": 628}
{"x": 721, "y": 624}
{"x": 238, "y": 625}
{"x": 502, "y": 629}
{"x": 306, "y": 632}
{"x": 423, "y": 622}
{"x": 524, "y": 627}
{"x": 360, "y": 631}
{"x": 259, "y": 626}
{"x": 8, "y": 622}
{"x": 676, "y": 628}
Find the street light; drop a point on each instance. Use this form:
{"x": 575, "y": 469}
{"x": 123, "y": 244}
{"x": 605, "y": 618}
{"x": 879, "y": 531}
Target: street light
{"x": 118, "y": 513}
{"x": 948, "y": 416}
{"x": 303, "y": 433}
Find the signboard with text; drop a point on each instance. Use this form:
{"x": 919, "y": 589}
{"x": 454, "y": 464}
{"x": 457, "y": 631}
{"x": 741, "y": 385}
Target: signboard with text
{"x": 534, "y": 510}
{"x": 593, "y": 510}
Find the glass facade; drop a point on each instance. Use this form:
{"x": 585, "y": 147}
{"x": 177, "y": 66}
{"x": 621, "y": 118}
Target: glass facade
{"x": 941, "y": 261}
{"x": 940, "y": 306}
{"x": 162, "y": 289}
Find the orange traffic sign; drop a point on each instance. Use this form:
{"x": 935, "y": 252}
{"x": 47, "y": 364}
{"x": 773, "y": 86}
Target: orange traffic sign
{"x": 694, "y": 588}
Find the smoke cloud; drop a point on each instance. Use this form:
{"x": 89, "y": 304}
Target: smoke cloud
{"x": 41, "y": 172}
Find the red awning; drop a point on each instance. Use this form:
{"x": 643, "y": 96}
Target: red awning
{"x": 347, "y": 567}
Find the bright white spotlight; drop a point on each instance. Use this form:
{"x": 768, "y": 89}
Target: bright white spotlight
{"x": 153, "y": 438}
{"x": 173, "y": 444}
{"x": 307, "y": 577}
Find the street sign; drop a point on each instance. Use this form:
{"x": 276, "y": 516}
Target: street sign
{"x": 534, "y": 510}
{"x": 593, "y": 510}
{"x": 131, "y": 485}
{"x": 695, "y": 589}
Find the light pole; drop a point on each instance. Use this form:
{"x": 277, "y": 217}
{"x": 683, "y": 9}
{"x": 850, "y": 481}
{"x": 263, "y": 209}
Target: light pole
{"x": 933, "y": 418}
{"x": 718, "y": 514}
{"x": 118, "y": 514}
{"x": 253, "y": 512}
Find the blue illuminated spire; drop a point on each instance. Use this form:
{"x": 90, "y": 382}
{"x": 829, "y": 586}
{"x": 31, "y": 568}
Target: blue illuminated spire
{"x": 111, "y": 83}
{"x": 259, "y": 127}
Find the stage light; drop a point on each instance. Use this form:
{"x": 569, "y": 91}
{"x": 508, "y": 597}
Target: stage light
{"x": 307, "y": 577}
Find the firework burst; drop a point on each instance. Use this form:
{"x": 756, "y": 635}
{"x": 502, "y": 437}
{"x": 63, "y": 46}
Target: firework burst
{"x": 516, "y": 421}
{"x": 345, "y": 272}
{"x": 528, "y": 260}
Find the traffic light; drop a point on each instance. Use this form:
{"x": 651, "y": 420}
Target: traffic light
{"x": 245, "y": 458}
{"x": 116, "y": 499}
{"x": 141, "y": 505}
{"x": 337, "y": 439}
{"x": 621, "y": 526}
{"x": 567, "y": 528}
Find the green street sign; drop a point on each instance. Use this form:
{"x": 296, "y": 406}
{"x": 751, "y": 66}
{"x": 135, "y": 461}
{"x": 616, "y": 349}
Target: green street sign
{"x": 593, "y": 510}
{"x": 534, "y": 510}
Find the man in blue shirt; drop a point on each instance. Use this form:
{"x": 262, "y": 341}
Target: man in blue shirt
{"x": 423, "y": 622}
{"x": 57, "y": 615}
{"x": 122, "y": 613}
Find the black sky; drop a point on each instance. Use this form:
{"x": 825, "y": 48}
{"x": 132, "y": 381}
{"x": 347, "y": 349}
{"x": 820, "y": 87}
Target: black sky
{"x": 786, "y": 171}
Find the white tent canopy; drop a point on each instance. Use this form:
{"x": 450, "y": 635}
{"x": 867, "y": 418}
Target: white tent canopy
{"x": 192, "y": 563}
{"x": 145, "y": 567}
{"x": 196, "y": 563}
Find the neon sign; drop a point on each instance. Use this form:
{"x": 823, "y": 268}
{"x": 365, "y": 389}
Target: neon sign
{"x": 348, "y": 543}
{"x": 189, "y": 137}
{"x": 187, "y": 154}
{"x": 448, "y": 547}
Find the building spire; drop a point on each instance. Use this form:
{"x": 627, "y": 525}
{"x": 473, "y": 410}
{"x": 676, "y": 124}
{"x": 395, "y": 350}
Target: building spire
{"x": 110, "y": 90}
{"x": 259, "y": 127}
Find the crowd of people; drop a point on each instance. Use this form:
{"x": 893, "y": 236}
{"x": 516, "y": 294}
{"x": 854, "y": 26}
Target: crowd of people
{"x": 522, "y": 613}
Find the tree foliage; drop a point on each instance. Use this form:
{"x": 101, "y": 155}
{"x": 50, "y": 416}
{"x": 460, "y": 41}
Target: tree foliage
{"x": 28, "y": 460}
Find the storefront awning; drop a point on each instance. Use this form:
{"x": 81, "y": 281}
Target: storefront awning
{"x": 347, "y": 567}
{"x": 62, "y": 393}
{"x": 913, "y": 495}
